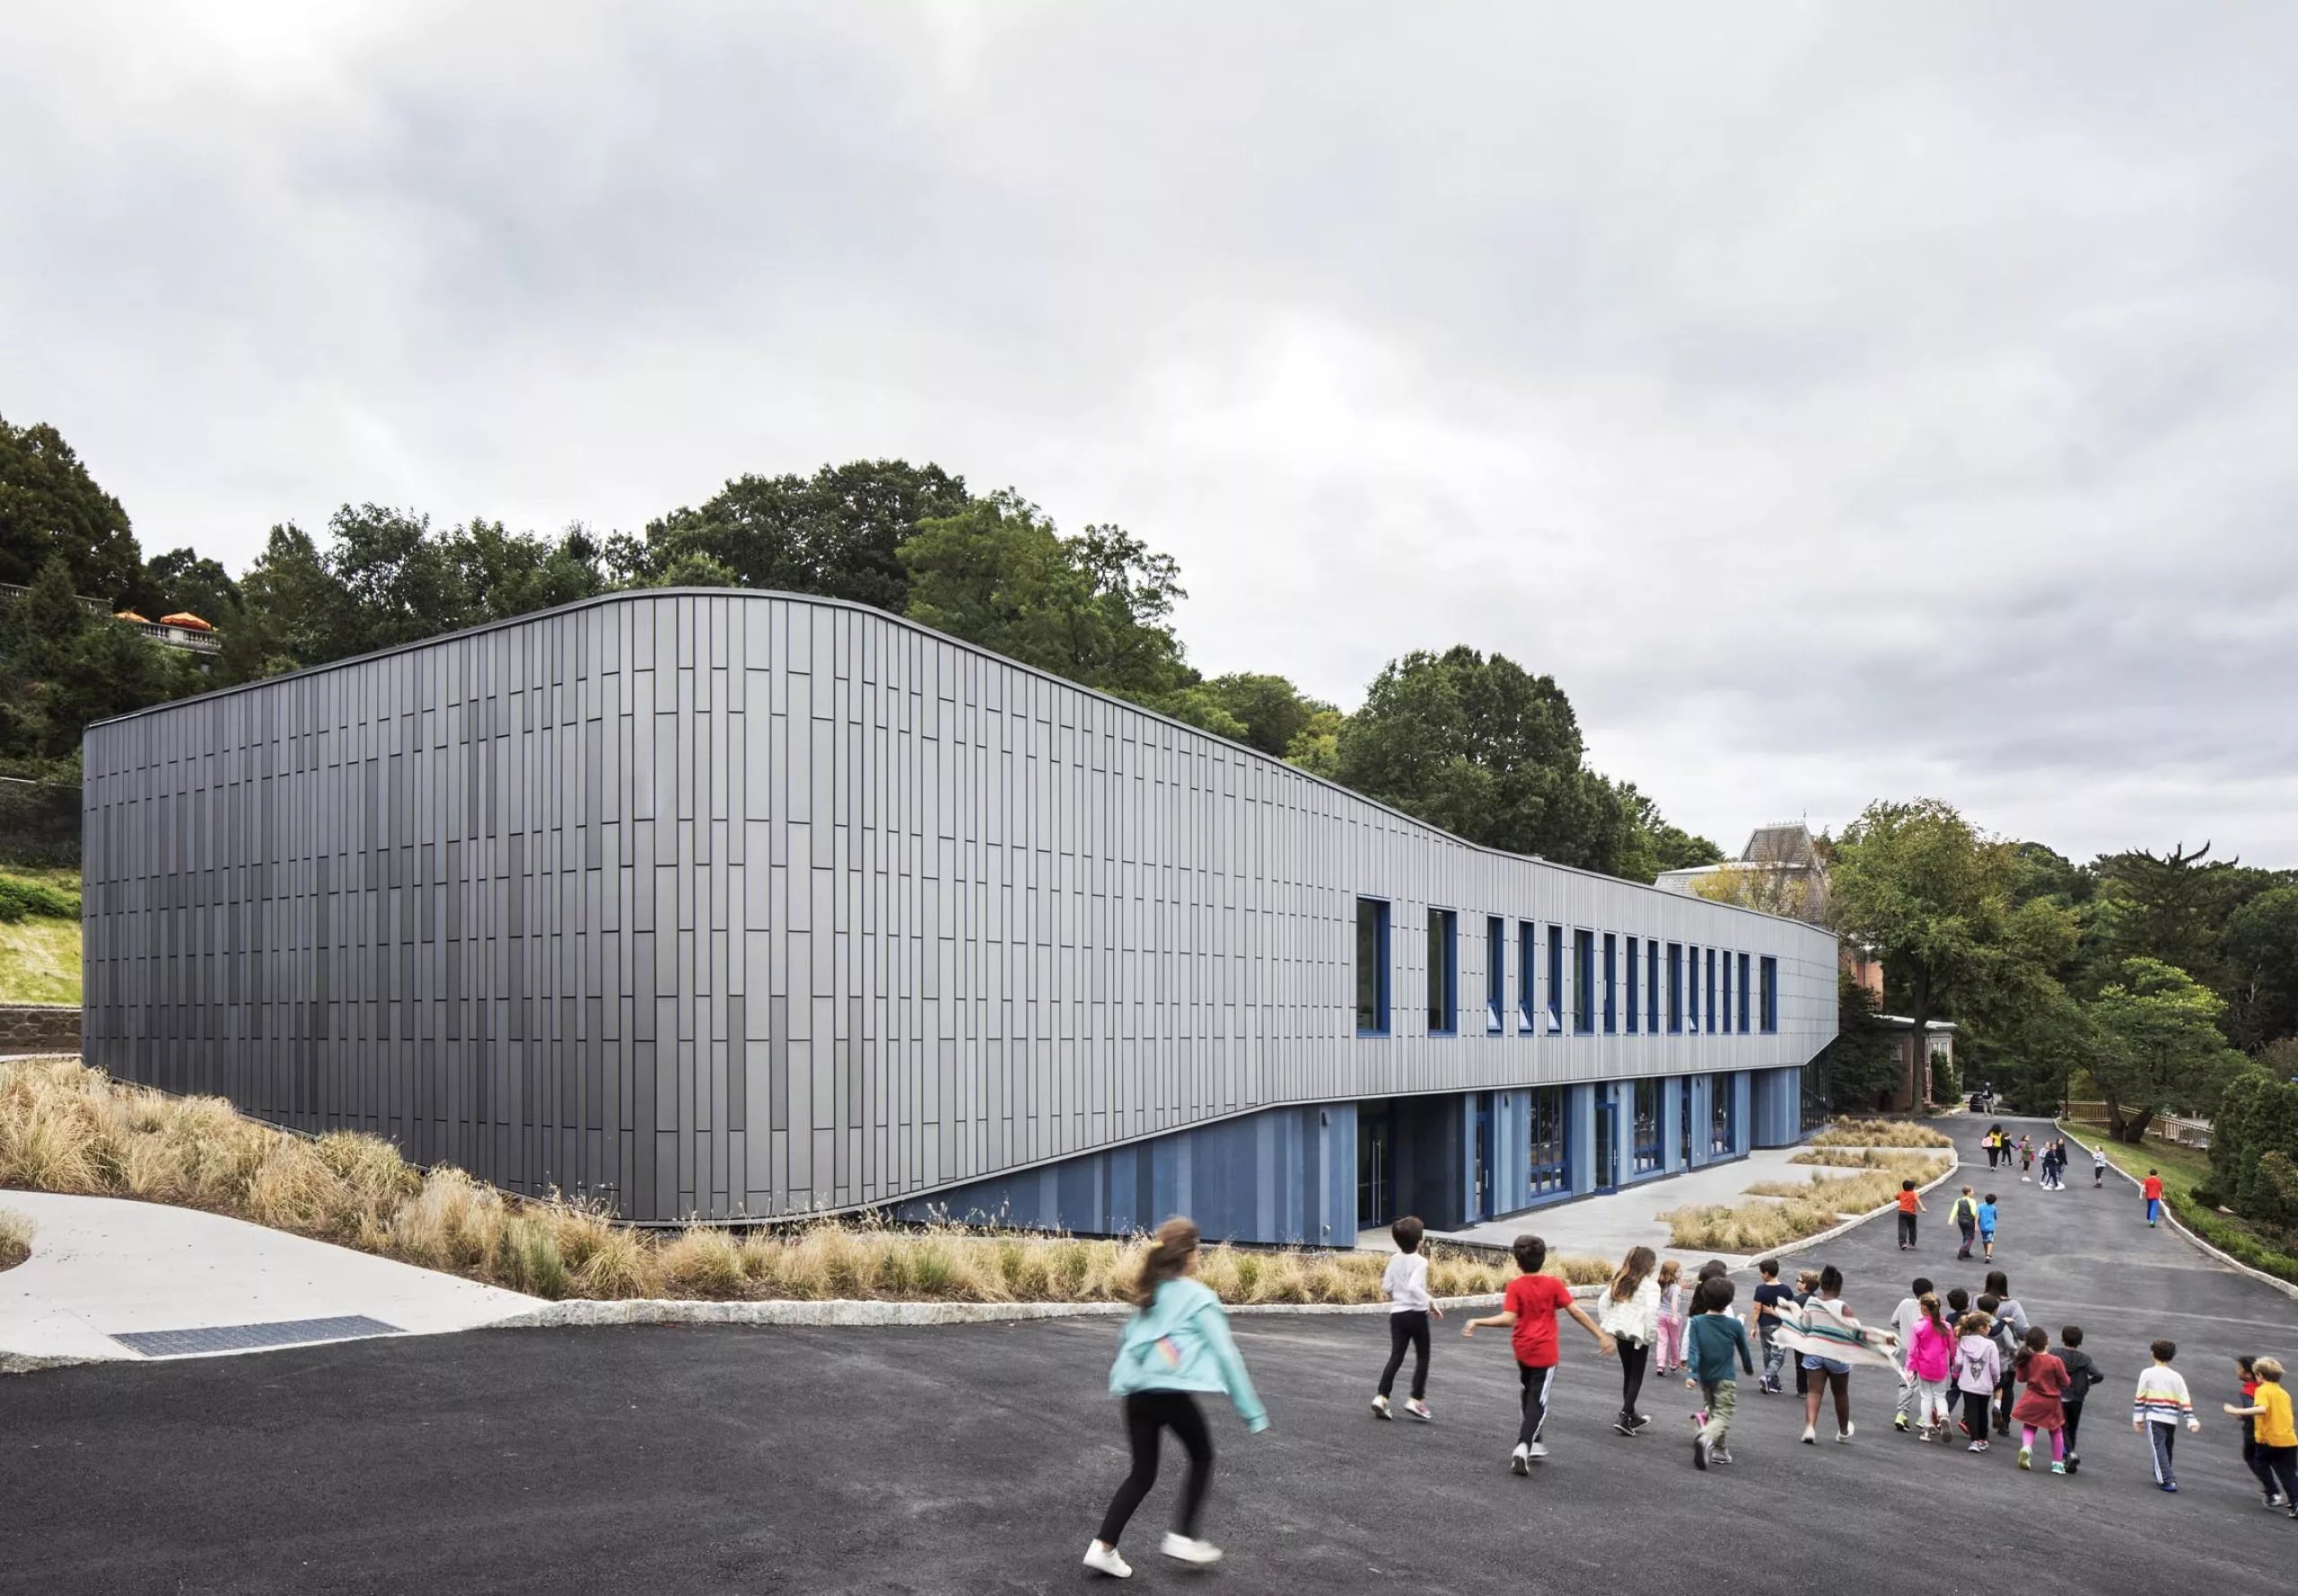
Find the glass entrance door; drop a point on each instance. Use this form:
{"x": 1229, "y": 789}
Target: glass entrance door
{"x": 1607, "y": 1143}
{"x": 1373, "y": 1195}
{"x": 1484, "y": 1206}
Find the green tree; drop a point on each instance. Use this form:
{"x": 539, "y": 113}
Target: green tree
{"x": 1316, "y": 747}
{"x": 1270, "y": 709}
{"x": 291, "y": 606}
{"x": 1095, "y": 608}
{"x": 2259, "y": 958}
{"x": 49, "y": 506}
{"x": 2159, "y": 1048}
{"x": 1862, "y": 1065}
{"x": 2254, "y": 1139}
{"x": 504, "y": 573}
{"x": 2170, "y": 906}
{"x": 61, "y": 667}
{"x": 1917, "y": 884}
{"x": 1486, "y": 750}
{"x": 183, "y": 579}
{"x": 401, "y": 583}
{"x": 1653, "y": 844}
{"x": 839, "y": 533}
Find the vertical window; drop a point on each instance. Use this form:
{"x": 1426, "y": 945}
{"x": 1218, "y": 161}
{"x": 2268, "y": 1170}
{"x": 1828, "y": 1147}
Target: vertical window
{"x": 1555, "y": 978}
{"x": 1691, "y": 989}
{"x": 1711, "y": 991}
{"x": 1584, "y": 983}
{"x": 1683, "y": 1121}
{"x": 1727, "y": 993}
{"x": 1744, "y": 995}
{"x": 1548, "y": 1167}
{"x": 1372, "y": 967}
{"x": 1719, "y": 1098}
{"x": 1495, "y": 973}
{"x": 1612, "y": 983}
{"x": 1770, "y": 993}
{"x": 1650, "y": 987}
{"x": 1443, "y": 972}
{"x": 1632, "y": 973}
{"x": 1647, "y": 1126}
{"x": 1675, "y": 988}
{"x": 1528, "y": 964}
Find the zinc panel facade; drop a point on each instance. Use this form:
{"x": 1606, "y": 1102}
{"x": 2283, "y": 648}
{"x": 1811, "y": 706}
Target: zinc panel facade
{"x": 743, "y": 904}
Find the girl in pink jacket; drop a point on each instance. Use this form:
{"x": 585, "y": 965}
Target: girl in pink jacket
{"x": 1930, "y": 1360}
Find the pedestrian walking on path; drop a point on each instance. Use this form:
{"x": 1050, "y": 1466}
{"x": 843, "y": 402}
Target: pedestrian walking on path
{"x": 1671, "y": 1354}
{"x": 1528, "y": 1308}
{"x": 1904, "y": 1319}
{"x": 2098, "y": 1167}
{"x": 1977, "y": 1367}
{"x": 1630, "y": 1314}
{"x": 1965, "y": 1213}
{"x": 2160, "y": 1407}
{"x": 1987, "y": 1214}
{"x": 1769, "y": 1295}
{"x": 2040, "y": 1408}
{"x": 1993, "y": 1142}
{"x": 1405, "y": 1283}
{"x": 1931, "y": 1362}
{"x": 2081, "y": 1375}
{"x": 1717, "y": 1339}
{"x": 2026, "y": 1157}
{"x": 2011, "y": 1327}
{"x": 2151, "y": 1188}
{"x": 1910, "y": 1205}
{"x": 2266, "y": 1426}
{"x": 1831, "y": 1339}
{"x": 1176, "y": 1344}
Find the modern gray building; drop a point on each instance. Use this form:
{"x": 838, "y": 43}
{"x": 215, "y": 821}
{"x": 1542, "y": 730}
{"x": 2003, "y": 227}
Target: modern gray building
{"x": 738, "y": 904}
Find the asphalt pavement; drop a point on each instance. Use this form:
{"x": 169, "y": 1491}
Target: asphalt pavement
{"x": 977, "y": 1458}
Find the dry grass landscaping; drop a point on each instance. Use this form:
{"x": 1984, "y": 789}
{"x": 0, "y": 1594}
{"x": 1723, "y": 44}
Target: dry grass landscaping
{"x": 1803, "y": 1207}
{"x": 65, "y": 1127}
{"x": 15, "y": 1239}
{"x": 1879, "y": 1133}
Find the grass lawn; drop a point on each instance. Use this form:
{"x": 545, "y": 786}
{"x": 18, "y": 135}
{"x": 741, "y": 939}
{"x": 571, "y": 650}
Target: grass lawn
{"x": 40, "y": 960}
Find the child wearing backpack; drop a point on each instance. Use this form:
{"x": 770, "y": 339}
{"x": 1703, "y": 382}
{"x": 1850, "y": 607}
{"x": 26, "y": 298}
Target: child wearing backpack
{"x": 2081, "y": 1375}
{"x": 1176, "y": 1344}
{"x": 1965, "y": 1213}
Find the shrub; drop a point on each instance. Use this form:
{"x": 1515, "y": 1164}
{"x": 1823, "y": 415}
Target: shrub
{"x": 23, "y": 899}
{"x": 15, "y": 1239}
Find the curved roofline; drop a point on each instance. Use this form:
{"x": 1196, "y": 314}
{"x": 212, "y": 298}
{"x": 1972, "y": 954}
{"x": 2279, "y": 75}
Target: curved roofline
{"x": 627, "y": 594}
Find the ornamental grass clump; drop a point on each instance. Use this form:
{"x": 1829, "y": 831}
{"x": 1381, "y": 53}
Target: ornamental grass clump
{"x": 15, "y": 1237}
{"x": 1879, "y": 1133}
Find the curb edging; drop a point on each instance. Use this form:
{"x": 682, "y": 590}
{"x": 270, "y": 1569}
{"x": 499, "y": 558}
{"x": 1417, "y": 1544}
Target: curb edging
{"x": 2285, "y": 1287}
{"x": 1954, "y": 1168}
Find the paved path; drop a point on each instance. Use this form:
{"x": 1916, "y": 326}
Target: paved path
{"x": 103, "y": 1266}
{"x": 976, "y": 1459}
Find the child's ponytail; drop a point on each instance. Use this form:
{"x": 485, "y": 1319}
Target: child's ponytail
{"x": 1169, "y": 1254}
{"x": 2038, "y": 1340}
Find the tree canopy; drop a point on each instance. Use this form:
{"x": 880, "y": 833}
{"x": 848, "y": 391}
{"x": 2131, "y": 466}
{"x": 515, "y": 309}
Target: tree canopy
{"x": 51, "y": 508}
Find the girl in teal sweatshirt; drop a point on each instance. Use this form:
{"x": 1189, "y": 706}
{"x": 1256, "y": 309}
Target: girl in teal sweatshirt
{"x": 1177, "y": 1343}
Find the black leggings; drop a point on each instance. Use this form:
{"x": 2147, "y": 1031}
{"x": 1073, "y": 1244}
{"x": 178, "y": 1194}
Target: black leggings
{"x": 1975, "y": 1411}
{"x": 1145, "y": 1414}
{"x": 1634, "y": 1357}
{"x": 1537, "y": 1383}
{"x": 1407, "y": 1327}
{"x": 2074, "y": 1424}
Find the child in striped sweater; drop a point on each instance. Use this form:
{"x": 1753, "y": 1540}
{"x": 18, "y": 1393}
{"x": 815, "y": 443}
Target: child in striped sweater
{"x": 2160, "y": 1403}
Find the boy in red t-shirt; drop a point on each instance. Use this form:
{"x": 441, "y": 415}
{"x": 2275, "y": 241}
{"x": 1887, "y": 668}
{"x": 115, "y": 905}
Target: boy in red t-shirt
{"x": 1530, "y": 1306}
{"x": 2151, "y": 1187}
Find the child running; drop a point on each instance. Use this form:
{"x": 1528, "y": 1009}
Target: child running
{"x": 1930, "y": 1360}
{"x": 1769, "y": 1296}
{"x": 2268, "y": 1410}
{"x": 1405, "y": 1282}
{"x": 1630, "y": 1314}
{"x": 2081, "y": 1375}
{"x": 1717, "y": 1337}
{"x": 1987, "y": 1216}
{"x": 1176, "y": 1343}
{"x": 2040, "y": 1408}
{"x": 1978, "y": 1365}
{"x": 1528, "y": 1308}
{"x": 2160, "y": 1403}
{"x": 2098, "y": 1167}
{"x": 1910, "y": 1205}
{"x": 2151, "y": 1188}
{"x": 1672, "y": 1318}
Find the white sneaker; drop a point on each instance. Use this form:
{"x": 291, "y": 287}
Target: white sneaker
{"x": 1520, "y": 1460}
{"x": 1537, "y": 1451}
{"x": 1104, "y": 1559}
{"x": 1418, "y": 1409}
{"x": 1844, "y": 1433}
{"x": 1181, "y": 1548}
{"x": 1810, "y": 1435}
{"x": 1381, "y": 1408}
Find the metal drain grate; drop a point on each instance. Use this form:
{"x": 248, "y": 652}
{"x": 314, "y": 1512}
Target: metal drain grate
{"x": 249, "y": 1337}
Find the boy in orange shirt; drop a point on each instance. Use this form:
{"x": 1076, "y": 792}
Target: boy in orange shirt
{"x": 1530, "y": 1306}
{"x": 1910, "y": 1205}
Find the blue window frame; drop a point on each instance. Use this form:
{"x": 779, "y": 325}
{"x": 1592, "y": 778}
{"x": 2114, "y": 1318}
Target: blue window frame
{"x": 1443, "y": 972}
{"x": 1727, "y": 992}
{"x": 1711, "y": 991}
{"x": 1652, "y": 987}
{"x": 1744, "y": 995}
{"x": 1631, "y": 963}
{"x": 1647, "y": 1127}
{"x": 1550, "y": 1164}
{"x": 1675, "y": 988}
{"x": 1771, "y": 996}
{"x": 1372, "y": 967}
{"x": 1584, "y": 983}
{"x": 1496, "y": 974}
{"x": 1691, "y": 989}
{"x": 1612, "y": 983}
{"x": 1528, "y": 964}
{"x": 1720, "y": 1116}
{"x": 1555, "y": 980}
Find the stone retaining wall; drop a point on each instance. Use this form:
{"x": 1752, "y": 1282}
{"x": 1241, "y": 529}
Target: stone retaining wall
{"x": 39, "y": 1028}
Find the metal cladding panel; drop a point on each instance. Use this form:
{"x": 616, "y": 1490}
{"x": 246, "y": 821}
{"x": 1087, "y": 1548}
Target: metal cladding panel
{"x": 745, "y": 904}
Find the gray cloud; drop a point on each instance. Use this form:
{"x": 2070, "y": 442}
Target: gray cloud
{"x": 1841, "y": 404}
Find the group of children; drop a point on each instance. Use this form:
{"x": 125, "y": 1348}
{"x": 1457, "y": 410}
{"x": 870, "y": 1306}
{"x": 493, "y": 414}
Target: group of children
{"x": 1982, "y": 1351}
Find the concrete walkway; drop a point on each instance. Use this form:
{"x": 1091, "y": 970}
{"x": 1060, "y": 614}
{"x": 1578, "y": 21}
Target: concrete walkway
{"x": 102, "y": 1267}
{"x": 1606, "y": 1226}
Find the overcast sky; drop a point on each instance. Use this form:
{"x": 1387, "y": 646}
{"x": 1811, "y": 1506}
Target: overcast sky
{"x": 1841, "y": 401}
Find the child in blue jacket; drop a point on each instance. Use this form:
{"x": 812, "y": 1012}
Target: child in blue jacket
{"x": 1177, "y": 1343}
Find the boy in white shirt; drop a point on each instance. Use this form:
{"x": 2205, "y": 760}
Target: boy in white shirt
{"x": 1405, "y": 1283}
{"x": 2160, "y": 1403}
{"x": 1904, "y": 1319}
